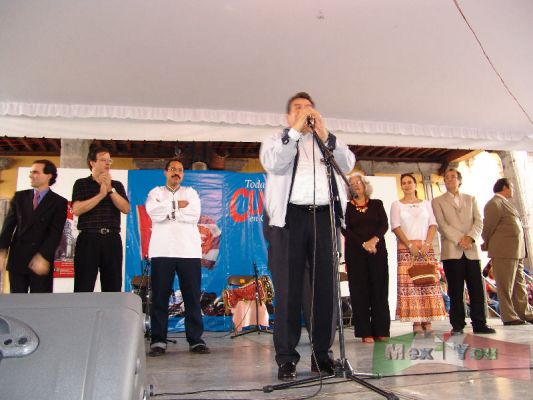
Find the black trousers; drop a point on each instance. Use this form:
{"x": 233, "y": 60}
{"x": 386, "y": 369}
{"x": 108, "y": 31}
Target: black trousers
{"x": 290, "y": 249}
{"x": 457, "y": 273}
{"x": 22, "y": 282}
{"x": 98, "y": 252}
{"x": 189, "y": 276}
{"x": 368, "y": 279}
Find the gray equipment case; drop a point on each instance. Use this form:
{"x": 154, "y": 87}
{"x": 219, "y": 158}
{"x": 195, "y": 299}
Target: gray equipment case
{"x": 86, "y": 346}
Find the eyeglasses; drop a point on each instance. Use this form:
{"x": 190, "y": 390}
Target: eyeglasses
{"x": 106, "y": 160}
{"x": 172, "y": 169}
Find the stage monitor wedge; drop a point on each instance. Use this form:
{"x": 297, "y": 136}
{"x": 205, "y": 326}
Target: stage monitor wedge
{"x": 90, "y": 346}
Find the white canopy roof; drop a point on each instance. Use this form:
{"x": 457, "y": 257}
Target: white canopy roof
{"x": 384, "y": 72}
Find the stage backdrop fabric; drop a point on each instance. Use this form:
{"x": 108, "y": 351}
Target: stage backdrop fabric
{"x": 230, "y": 226}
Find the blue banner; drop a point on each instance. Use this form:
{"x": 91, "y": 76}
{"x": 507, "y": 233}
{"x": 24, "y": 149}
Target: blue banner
{"x": 231, "y": 226}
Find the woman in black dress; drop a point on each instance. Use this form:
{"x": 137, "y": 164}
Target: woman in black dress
{"x": 366, "y": 262}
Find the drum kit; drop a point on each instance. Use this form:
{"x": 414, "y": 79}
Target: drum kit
{"x": 263, "y": 288}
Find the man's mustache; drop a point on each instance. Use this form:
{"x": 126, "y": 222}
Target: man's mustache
{"x": 176, "y": 175}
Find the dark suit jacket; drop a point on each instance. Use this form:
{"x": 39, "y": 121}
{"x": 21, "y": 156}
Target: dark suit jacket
{"x": 27, "y": 231}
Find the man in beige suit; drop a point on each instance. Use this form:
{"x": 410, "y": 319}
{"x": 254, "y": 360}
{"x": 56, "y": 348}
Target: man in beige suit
{"x": 459, "y": 224}
{"x": 504, "y": 239}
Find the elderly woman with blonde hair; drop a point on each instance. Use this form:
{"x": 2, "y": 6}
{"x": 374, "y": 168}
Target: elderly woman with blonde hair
{"x": 366, "y": 262}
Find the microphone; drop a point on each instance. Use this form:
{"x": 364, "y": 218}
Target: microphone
{"x": 310, "y": 122}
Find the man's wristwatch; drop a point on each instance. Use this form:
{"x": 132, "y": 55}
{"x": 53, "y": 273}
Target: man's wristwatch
{"x": 113, "y": 190}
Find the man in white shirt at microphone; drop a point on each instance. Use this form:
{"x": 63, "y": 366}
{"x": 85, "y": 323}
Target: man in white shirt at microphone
{"x": 299, "y": 230}
{"x": 175, "y": 247}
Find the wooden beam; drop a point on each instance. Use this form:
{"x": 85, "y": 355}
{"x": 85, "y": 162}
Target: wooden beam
{"x": 56, "y": 144}
{"x": 24, "y": 141}
{"x": 40, "y": 143}
{"x": 10, "y": 144}
{"x": 403, "y": 150}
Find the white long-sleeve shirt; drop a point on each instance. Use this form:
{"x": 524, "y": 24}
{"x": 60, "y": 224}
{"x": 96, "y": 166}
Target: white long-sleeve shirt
{"x": 277, "y": 157}
{"x": 414, "y": 219}
{"x": 174, "y": 230}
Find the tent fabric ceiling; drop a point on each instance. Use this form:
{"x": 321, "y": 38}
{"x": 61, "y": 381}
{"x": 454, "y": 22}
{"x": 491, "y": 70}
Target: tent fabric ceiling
{"x": 385, "y": 72}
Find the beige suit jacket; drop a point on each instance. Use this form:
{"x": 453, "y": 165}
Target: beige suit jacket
{"x": 454, "y": 222}
{"x": 502, "y": 230}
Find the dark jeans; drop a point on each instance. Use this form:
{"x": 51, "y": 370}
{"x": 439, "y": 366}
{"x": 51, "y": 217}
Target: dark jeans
{"x": 457, "y": 273}
{"x": 290, "y": 249}
{"x": 189, "y": 276}
{"x": 98, "y": 252}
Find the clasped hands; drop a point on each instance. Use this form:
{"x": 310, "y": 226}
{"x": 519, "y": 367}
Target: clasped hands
{"x": 417, "y": 250}
{"x": 104, "y": 179}
{"x": 370, "y": 245}
{"x": 466, "y": 242}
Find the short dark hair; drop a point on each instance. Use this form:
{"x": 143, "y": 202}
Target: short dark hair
{"x": 49, "y": 168}
{"x": 459, "y": 176}
{"x": 410, "y": 175}
{"x": 93, "y": 152}
{"x": 171, "y": 161}
{"x": 501, "y": 184}
{"x": 299, "y": 95}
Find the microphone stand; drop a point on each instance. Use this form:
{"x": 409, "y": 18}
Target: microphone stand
{"x": 343, "y": 369}
{"x": 146, "y": 282}
{"x": 146, "y": 286}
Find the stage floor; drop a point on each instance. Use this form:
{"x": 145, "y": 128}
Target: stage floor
{"x": 247, "y": 362}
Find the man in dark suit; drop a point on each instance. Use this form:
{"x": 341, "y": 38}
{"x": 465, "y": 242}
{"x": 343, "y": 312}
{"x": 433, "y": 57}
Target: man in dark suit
{"x": 31, "y": 232}
{"x": 504, "y": 240}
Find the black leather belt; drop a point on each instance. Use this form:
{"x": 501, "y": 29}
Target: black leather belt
{"x": 309, "y": 208}
{"x": 101, "y": 231}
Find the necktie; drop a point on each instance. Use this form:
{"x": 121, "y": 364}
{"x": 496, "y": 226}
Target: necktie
{"x": 35, "y": 199}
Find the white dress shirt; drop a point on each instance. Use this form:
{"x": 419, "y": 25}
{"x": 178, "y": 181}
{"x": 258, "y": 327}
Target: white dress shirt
{"x": 174, "y": 230}
{"x": 309, "y": 187}
{"x": 277, "y": 158}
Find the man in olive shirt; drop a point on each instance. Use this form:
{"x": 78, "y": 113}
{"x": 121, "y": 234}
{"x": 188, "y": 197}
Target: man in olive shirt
{"x": 98, "y": 201}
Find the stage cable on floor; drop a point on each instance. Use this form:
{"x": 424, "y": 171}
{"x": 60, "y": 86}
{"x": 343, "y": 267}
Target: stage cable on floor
{"x": 307, "y": 385}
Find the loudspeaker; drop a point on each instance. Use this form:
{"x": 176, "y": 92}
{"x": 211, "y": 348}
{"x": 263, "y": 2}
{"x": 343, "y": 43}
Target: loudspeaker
{"x": 72, "y": 346}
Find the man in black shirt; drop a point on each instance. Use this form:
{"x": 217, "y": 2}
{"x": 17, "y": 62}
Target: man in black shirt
{"x": 98, "y": 201}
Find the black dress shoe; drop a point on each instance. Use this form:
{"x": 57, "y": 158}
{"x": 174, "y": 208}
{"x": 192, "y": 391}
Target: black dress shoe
{"x": 287, "y": 371}
{"x": 484, "y": 329}
{"x": 156, "y": 352}
{"x": 456, "y": 332}
{"x": 199, "y": 348}
{"x": 326, "y": 366}
{"x": 515, "y": 322}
